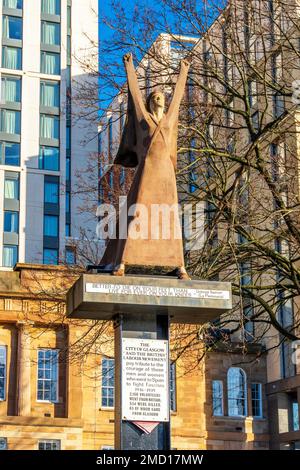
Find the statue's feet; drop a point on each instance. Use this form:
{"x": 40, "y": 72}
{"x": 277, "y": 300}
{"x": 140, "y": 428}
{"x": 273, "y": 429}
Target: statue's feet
{"x": 182, "y": 274}
{"x": 119, "y": 270}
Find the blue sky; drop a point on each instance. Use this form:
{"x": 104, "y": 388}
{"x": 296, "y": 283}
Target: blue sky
{"x": 112, "y": 58}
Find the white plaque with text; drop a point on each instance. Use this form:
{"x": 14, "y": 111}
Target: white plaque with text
{"x": 180, "y": 292}
{"x": 145, "y": 380}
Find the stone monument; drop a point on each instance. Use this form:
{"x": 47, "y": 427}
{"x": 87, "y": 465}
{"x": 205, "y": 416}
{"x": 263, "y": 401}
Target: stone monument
{"x": 149, "y": 143}
{"x": 140, "y": 306}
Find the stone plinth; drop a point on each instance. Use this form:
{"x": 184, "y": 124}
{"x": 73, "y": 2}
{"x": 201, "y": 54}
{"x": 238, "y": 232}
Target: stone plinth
{"x": 102, "y": 297}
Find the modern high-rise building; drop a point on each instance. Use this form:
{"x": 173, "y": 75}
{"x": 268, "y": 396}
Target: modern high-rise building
{"x": 43, "y": 142}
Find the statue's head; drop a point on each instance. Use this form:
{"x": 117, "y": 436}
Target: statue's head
{"x": 155, "y": 101}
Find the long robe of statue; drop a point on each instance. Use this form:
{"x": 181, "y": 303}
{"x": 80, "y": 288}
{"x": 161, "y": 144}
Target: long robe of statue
{"x": 150, "y": 145}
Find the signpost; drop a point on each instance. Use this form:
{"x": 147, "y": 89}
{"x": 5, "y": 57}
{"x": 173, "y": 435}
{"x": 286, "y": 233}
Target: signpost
{"x": 141, "y": 308}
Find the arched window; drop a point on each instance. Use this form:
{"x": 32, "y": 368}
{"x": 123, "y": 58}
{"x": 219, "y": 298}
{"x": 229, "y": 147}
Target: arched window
{"x": 236, "y": 392}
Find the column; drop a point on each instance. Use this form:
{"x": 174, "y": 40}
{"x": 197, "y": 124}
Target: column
{"x": 127, "y": 435}
{"x": 23, "y": 370}
{"x": 74, "y": 378}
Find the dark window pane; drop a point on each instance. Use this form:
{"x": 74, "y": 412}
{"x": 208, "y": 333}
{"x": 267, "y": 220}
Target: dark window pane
{"x": 12, "y": 27}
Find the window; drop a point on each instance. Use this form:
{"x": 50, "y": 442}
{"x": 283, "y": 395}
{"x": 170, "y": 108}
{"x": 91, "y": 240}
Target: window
{"x": 69, "y": 18}
{"x": 68, "y": 202}
{"x": 256, "y": 398}
{"x": 173, "y": 386}
{"x": 10, "y": 121}
{"x": 295, "y": 415}
{"x": 47, "y": 382}
{"x": 2, "y": 372}
{"x": 68, "y": 138}
{"x": 252, "y": 90}
{"x": 12, "y": 27}
{"x": 11, "y": 188}
{"x": 51, "y": 193}
{"x": 237, "y": 392}
{"x": 49, "y": 444}
{"x": 11, "y": 58}
{"x": 11, "y": 89}
{"x": 278, "y": 105}
{"x": 15, "y": 4}
{"x": 70, "y": 255}
{"x": 10, "y": 255}
{"x": 49, "y": 127}
{"x": 110, "y": 137}
{"x": 11, "y": 222}
{"x": 217, "y": 398}
{"x": 68, "y": 169}
{"x": 50, "y": 63}
{"x": 51, "y": 226}
{"x": 50, "y": 256}
{"x": 50, "y": 94}
{"x": 10, "y": 153}
{"x": 3, "y": 443}
{"x": 49, "y": 158}
{"x": 50, "y": 33}
{"x": 108, "y": 382}
{"x": 68, "y": 230}
{"x": 51, "y": 7}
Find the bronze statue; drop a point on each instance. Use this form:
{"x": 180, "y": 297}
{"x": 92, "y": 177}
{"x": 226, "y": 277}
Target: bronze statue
{"x": 149, "y": 142}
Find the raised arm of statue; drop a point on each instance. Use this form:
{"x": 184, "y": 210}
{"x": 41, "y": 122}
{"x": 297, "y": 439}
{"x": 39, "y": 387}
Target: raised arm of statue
{"x": 179, "y": 89}
{"x": 133, "y": 85}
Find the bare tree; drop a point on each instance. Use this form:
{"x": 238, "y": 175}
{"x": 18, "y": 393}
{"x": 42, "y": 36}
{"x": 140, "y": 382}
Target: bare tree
{"x": 238, "y": 147}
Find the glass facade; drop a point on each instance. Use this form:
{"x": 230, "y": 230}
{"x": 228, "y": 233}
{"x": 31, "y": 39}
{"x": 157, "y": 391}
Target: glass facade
{"x": 50, "y": 63}
{"x": 108, "y": 382}
{"x": 50, "y": 94}
{"x": 256, "y": 399}
{"x": 11, "y": 188}
{"x": 49, "y": 444}
{"x": 11, "y": 27}
{"x": 236, "y": 392}
{"x": 10, "y": 153}
{"x": 173, "y": 386}
{"x": 2, "y": 372}
{"x": 51, "y": 7}
{"x": 14, "y": 4}
{"x": 49, "y": 127}
{"x": 10, "y": 122}
{"x": 51, "y": 193}
{"x": 50, "y": 256}
{"x": 11, "y": 222}
{"x": 11, "y": 57}
{"x": 50, "y": 225}
{"x": 10, "y": 89}
{"x": 47, "y": 379}
{"x": 50, "y": 34}
{"x": 49, "y": 158}
{"x": 217, "y": 397}
{"x": 10, "y": 255}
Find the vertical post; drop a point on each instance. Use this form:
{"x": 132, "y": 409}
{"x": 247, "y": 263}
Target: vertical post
{"x": 127, "y": 435}
{"x": 23, "y": 370}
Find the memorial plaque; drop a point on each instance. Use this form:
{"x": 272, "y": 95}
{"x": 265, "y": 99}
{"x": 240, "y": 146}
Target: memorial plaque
{"x": 140, "y": 290}
{"x": 145, "y": 380}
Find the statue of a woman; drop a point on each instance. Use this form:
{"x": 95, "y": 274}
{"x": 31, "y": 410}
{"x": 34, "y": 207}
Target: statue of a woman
{"x": 149, "y": 142}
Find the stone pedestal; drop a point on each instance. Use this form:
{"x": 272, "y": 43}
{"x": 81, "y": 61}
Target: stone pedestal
{"x": 142, "y": 308}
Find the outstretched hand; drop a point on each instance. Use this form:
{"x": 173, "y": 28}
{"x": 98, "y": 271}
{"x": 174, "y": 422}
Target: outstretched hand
{"x": 127, "y": 57}
{"x": 187, "y": 60}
